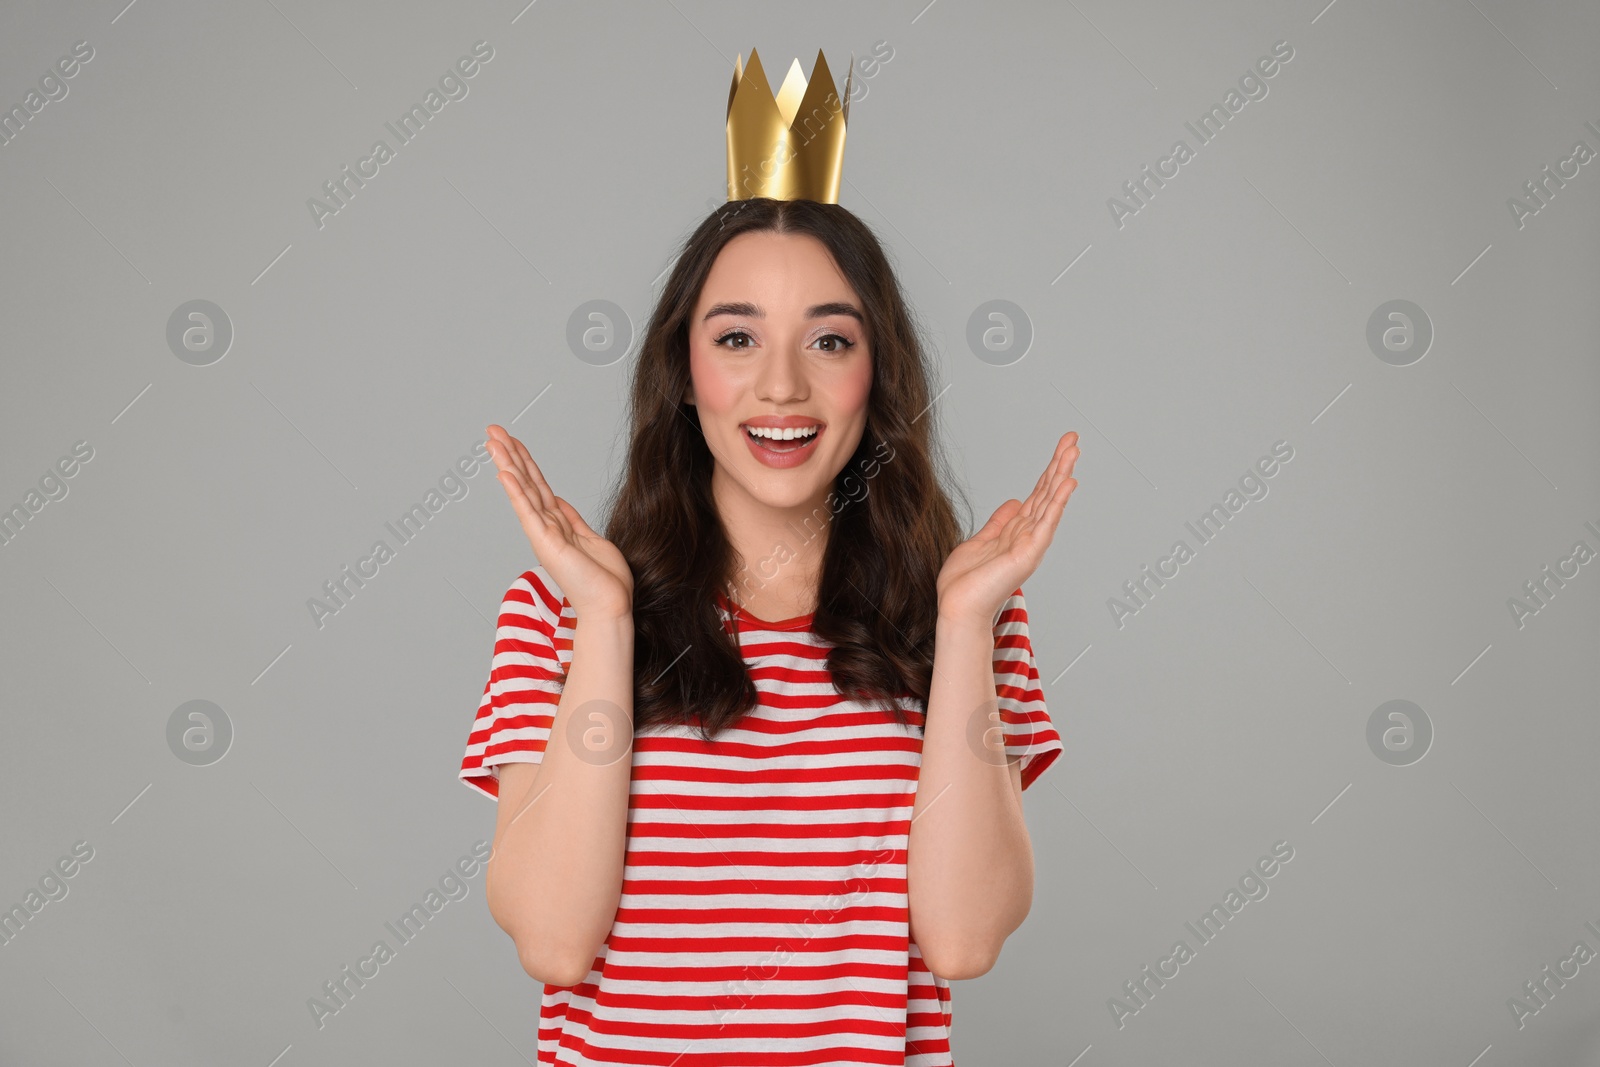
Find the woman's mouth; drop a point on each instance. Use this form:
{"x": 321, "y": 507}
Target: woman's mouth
{"x": 782, "y": 448}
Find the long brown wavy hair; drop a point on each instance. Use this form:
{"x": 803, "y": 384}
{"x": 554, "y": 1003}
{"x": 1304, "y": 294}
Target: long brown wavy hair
{"x": 889, "y": 522}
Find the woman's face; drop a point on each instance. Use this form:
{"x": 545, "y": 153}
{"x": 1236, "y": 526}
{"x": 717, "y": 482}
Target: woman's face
{"x": 778, "y": 338}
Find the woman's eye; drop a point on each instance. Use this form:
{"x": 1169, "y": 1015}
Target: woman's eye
{"x": 840, "y": 342}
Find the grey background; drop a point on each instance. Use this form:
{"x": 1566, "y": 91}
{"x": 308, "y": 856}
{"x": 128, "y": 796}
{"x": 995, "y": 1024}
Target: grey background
{"x": 1229, "y": 313}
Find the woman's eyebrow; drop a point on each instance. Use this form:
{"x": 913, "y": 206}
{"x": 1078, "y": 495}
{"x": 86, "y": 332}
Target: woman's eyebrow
{"x": 748, "y": 310}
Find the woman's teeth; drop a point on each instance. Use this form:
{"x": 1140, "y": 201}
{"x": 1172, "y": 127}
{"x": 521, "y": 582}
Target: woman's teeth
{"x": 780, "y": 435}
{"x": 780, "y": 440}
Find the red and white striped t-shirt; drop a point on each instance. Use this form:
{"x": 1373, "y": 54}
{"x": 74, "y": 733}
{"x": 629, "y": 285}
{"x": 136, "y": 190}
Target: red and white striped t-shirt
{"x": 763, "y": 917}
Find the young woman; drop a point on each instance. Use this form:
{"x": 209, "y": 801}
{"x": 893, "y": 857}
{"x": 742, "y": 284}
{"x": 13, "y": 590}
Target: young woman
{"x": 759, "y": 750}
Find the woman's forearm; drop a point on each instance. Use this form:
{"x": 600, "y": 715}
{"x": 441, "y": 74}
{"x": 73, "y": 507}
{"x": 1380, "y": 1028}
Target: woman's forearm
{"x": 970, "y": 863}
{"x": 555, "y": 876}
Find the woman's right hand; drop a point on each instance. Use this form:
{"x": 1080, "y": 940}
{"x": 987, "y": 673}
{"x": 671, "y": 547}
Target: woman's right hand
{"x": 590, "y": 570}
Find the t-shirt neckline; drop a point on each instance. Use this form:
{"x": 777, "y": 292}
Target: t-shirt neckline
{"x": 796, "y": 623}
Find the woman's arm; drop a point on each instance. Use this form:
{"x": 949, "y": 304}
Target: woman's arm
{"x": 555, "y": 875}
{"x": 969, "y": 864}
{"x": 969, "y": 867}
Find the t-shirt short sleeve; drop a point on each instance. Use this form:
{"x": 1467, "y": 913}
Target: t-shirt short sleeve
{"x": 532, "y": 648}
{"x": 1028, "y": 731}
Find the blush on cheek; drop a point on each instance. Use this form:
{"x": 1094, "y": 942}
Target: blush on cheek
{"x": 851, "y": 398}
{"x": 715, "y": 391}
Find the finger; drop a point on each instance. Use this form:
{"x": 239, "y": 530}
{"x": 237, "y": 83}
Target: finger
{"x": 1058, "y": 504}
{"x": 533, "y": 521}
{"x": 1047, "y": 480}
{"x": 1055, "y": 462}
{"x": 510, "y": 459}
{"x": 534, "y": 474}
{"x": 1065, "y": 494}
{"x": 1044, "y": 477}
{"x": 997, "y": 522}
{"x": 1064, "y": 463}
{"x": 1044, "y": 525}
{"x": 1053, "y": 472}
{"x": 528, "y": 473}
{"x": 498, "y": 436}
{"x": 1072, "y": 455}
{"x": 572, "y": 516}
{"x": 501, "y": 457}
{"x": 1031, "y": 537}
{"x": 499, "y": 445}
{"x": 519, "y": 485}
{"x": 543, "y": 500}
{"x": 515, "y": 481}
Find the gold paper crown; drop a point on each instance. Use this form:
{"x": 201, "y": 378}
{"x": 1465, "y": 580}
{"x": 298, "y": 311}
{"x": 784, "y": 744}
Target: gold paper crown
{"x": 788, "y": 147}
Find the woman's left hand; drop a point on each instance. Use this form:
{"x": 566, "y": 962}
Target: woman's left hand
{"x": 987, "y": 568}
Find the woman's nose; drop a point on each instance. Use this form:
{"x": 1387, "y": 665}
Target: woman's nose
{"x": 781, "y": 375}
